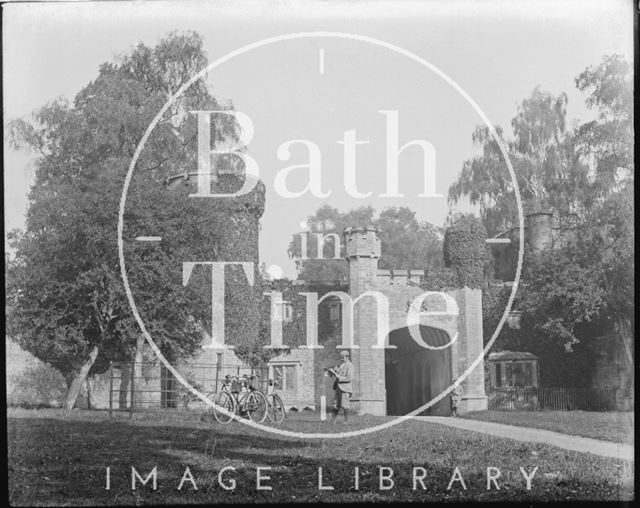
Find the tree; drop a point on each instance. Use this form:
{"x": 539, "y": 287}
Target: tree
{"x": 606, "y": 144}
{"x": 66, "y": 301}
{"x": 565, "y": 172}
{"x": 326, "y": 220}
{"x": 406, "y": 242}
{"x": 608, "y": 237}
{"x": 574, "y": 296}
{"x": 594, "y": 274}
{"x": 560, "y": 308}
{"x": 607, "y": 243}
{"x": 550, "y": 174}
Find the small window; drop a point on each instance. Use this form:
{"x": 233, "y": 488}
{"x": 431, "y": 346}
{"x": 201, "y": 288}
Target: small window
{"x": 284, "y": 377}
{"x": 287, "y": 312}
{"x": 507, "y": 374}
{"x": 168, "y": 388}
{"x": 335, "y": 311}
{"x": 284, "y": 311}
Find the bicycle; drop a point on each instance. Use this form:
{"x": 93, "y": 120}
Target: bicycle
{"x": 237, "y": 395}
{"x": 275, "y": 406}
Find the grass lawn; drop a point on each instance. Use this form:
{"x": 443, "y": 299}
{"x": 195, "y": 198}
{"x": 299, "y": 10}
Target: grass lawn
{"x": 608, "y": 426}
{"x": 62, "y": 459}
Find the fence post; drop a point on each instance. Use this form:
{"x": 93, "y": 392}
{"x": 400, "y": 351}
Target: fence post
{"x": 218, "y": 366}
{"x": 110, "y": 389}
{"x": 133, "y": 381}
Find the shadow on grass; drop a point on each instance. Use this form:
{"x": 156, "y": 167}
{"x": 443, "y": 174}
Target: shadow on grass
{"x": 64, "y": 461}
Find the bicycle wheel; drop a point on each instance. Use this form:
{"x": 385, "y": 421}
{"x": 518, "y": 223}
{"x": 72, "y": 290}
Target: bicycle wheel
{"x": 225, "y": 401}
{"x": 256, "y": 406}
{"x": 275, "y": 408}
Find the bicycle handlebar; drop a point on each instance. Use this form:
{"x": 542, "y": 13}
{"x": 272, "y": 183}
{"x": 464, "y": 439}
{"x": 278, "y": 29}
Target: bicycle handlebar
{"x": 243, "y": 378}
{"x": 228, "y": 378}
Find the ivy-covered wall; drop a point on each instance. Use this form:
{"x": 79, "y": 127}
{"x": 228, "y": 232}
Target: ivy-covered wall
{"x": 228, "y": 231}
{"x": 465, "y": 257}
{"x": 465, "y": 251}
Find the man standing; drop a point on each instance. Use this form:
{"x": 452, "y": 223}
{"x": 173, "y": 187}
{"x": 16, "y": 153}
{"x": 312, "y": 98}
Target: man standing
{"x": 455, "y": 398}
{"x": 342, "y": 388}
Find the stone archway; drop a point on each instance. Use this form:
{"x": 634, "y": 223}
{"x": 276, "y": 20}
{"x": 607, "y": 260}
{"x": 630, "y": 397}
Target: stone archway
{"x": 415, "y": 374}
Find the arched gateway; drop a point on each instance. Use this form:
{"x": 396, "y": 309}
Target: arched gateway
{"x": 396, "y": 381}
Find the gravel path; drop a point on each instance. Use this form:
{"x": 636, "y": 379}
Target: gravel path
{"x": 527, "y": 434}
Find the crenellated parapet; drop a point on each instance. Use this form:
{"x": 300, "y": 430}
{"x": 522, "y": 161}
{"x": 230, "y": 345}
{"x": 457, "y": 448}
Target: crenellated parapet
{"x": 400, "y": 277}
{"x": 362, "y": 242}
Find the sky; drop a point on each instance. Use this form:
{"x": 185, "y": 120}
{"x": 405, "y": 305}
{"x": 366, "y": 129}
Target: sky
{"x": 317, "y": 88}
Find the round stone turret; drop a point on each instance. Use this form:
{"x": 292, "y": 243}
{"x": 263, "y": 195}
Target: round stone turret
{"x": 229, "y": 233}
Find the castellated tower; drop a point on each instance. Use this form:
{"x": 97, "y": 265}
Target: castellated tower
{"x": 231, "y": 235}
{"x": 363, "y": 253}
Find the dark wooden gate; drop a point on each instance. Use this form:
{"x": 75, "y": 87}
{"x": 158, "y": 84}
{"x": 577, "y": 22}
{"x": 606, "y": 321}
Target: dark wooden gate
{"x": 414, "y": 374}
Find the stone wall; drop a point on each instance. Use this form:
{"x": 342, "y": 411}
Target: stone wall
{"x": 304, "y": 396}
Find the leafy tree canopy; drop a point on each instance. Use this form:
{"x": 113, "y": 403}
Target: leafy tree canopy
{"x": 558, "y": 170}
{"x": 66, "y": 300}
{"x": 581, "y": 293}
{"x": 406, "y": 242}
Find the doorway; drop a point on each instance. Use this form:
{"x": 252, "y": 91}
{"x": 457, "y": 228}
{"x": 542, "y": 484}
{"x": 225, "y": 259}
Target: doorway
{"x": 414, "y": 374}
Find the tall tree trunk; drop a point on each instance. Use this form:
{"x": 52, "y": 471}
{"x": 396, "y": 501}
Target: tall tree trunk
{"x": 125, "y": 376}
{"x": 76, "y": 380}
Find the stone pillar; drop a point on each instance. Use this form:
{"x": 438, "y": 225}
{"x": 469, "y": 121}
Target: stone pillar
{"x": 468, "y": 348}
{"x": 363, "y": 253}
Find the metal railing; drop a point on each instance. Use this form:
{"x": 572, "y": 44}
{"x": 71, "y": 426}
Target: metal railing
{"x": 543, "y": 398}
{"x": 149, "y": 386}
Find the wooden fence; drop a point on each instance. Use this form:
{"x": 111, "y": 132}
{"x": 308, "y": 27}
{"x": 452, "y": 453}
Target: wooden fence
{"x": 545, "y": 398}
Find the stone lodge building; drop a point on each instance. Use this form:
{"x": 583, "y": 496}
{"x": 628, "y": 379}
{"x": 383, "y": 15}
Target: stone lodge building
{"x": 389, "y": 381}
